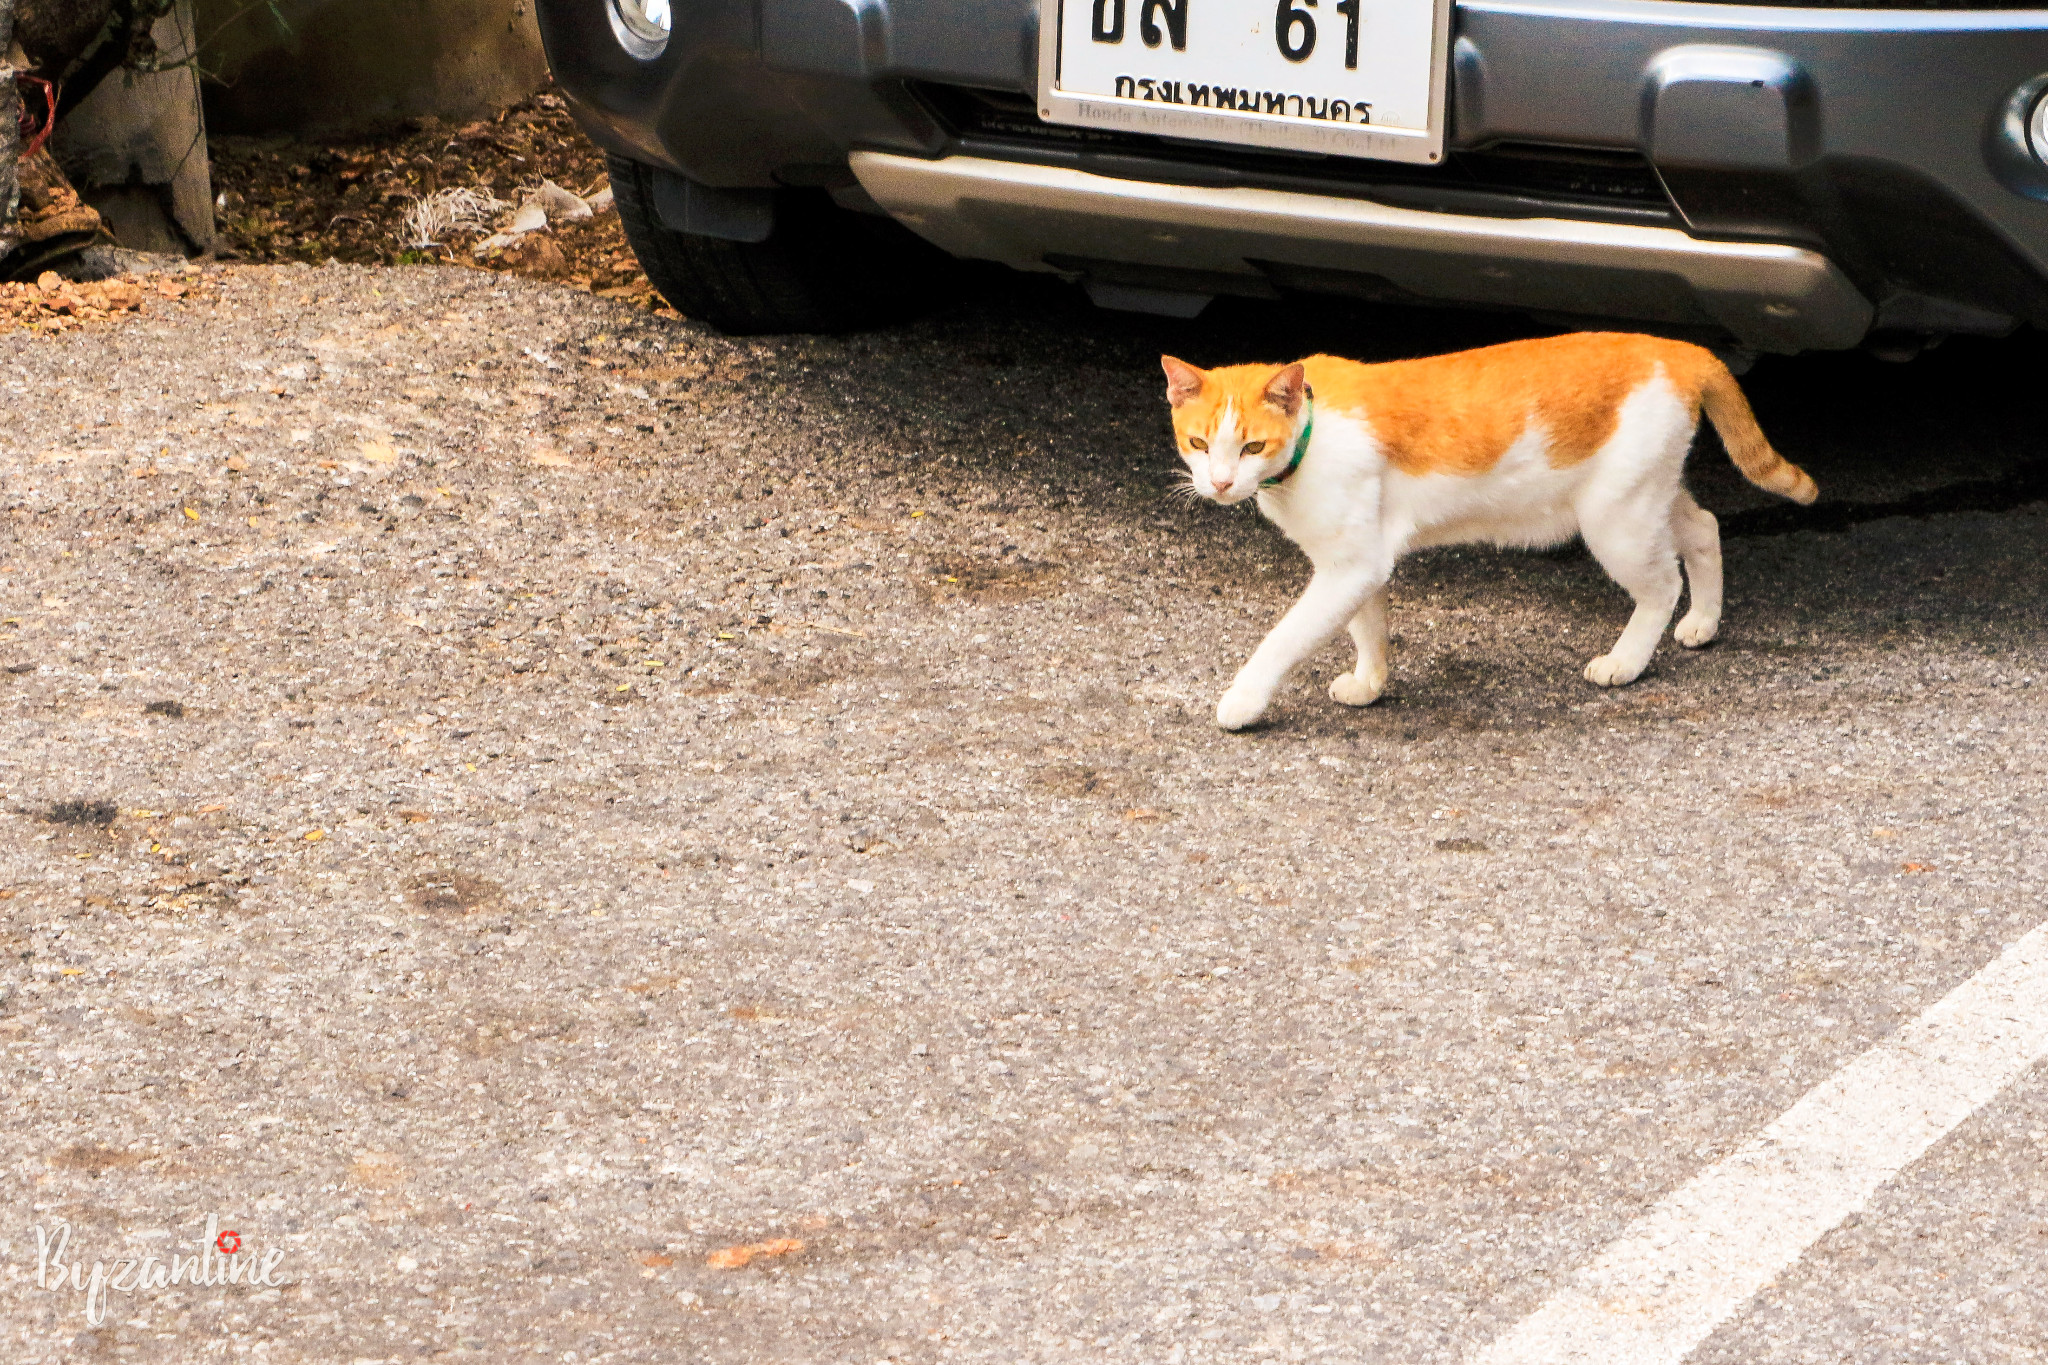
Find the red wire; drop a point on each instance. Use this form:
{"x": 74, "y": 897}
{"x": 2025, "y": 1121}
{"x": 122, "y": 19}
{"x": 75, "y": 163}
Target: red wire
{"x": 34, "y": 137}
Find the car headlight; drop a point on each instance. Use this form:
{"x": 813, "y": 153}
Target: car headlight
{"x": 641, "y": 26}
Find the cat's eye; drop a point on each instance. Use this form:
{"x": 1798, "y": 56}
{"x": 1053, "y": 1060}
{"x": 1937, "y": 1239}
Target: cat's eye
{"x": 1198, "y": 443}
{"x": 1254, "y": 447}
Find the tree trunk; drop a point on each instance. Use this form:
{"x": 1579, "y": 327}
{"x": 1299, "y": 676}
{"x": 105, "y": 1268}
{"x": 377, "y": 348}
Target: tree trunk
{"x": 114, "y": 144}
{"x": 10, "y": 136}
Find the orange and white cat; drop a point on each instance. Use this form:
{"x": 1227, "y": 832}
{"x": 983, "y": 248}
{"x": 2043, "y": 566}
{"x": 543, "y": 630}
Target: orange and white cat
{"x": 1523, "y": 444}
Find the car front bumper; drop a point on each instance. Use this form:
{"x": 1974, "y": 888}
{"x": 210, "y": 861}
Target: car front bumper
{"x": 1816, "y": 173}
{"x": 1773, "y": 296}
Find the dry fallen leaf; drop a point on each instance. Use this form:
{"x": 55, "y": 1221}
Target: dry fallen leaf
{"x": 1916, "y": 867}
{"x": 192, "y": 512}
{"x": 208, "y": 810}
{"x": 314, "y": 836}
{"x": 1141, "y": 813}
{"x": 655, "y": 1260}
{"x": 414, "y": 817}
{"x": 377, "y": 452}
{"x": 733, "y": 1257}
{"x": 237, "y": 463}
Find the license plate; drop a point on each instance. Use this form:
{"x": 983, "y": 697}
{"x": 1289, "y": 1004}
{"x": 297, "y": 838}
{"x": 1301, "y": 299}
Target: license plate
{"x": 1347, "y": 77}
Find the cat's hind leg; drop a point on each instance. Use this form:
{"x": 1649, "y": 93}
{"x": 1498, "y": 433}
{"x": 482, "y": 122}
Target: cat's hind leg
{"x": 1364, "y": 683}
{"x": 1635, "y": 546}
{"x": 1699, "y": 543}
{"x": 1625, "y": 515}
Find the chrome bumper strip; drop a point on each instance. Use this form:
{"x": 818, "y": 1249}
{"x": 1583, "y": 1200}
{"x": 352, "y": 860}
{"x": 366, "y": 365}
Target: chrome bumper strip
{"x": 1769, "y": 296}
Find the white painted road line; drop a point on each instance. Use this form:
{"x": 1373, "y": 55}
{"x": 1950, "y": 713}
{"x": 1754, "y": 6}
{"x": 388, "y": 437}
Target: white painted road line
{"x": 1688, "y": 1264}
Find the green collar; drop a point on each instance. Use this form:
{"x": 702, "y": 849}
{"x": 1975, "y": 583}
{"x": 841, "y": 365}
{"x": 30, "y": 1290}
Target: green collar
{"x": 1300, "y": 447}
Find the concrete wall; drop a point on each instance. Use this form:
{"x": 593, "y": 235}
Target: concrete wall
{"x": 355, "y": 66}
{"x": 135, "y": 148}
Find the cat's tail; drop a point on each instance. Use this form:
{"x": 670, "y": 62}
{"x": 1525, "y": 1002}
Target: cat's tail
{"x": 1747, "y": 445}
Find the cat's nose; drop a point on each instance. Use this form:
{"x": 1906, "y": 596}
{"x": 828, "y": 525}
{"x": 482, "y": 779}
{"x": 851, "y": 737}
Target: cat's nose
{"x": 1221, "y": 479}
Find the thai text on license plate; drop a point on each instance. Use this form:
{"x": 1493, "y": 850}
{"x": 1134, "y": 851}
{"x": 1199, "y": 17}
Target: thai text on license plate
{"x": 1356, "y": 77}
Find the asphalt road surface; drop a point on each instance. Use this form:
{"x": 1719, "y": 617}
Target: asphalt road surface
{"x": 568, "y": 837}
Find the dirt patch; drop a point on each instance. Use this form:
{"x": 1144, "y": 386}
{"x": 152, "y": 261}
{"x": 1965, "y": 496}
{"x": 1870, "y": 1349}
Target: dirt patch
{"x": 378, "y": 1171}
{"x": 295, "y": 201}
{"x": 784, "y": 676}
{"x": 1074, "y": 781}
{"x": 453, "y": 893}
{"x": 1002, "y": 578}
{"x": 491, "y": 1036}
{"x": 94, "y": 1159}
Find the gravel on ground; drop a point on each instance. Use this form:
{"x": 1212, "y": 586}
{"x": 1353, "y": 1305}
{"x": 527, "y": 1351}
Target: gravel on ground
{"x": 599, "y": 841}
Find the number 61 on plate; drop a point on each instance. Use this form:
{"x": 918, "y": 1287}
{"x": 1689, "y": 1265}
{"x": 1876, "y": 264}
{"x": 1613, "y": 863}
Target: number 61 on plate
{"x": 1348, "y": 77}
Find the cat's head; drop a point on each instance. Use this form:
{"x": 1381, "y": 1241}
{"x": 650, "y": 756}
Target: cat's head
{"x": 1234, "y": 425}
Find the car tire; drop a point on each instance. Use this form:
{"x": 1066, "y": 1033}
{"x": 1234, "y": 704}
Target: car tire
{"x": 822, "y": 268}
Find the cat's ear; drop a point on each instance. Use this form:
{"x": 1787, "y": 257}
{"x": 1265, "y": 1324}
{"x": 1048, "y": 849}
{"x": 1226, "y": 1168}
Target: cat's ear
{"x": 1284, "y": 390}
{"x": 1183, "y": 381}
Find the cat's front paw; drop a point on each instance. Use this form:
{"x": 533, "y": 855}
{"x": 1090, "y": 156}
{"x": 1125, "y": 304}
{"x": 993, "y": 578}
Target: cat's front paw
{"x": 1695, "y": 632}
{"x": 1352, "y": 690}
{"x": 1239, "y": 707}
{"x": 1609, "y": 671}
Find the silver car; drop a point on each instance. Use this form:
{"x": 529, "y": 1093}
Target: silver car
{"x": 1761, "y": 177}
